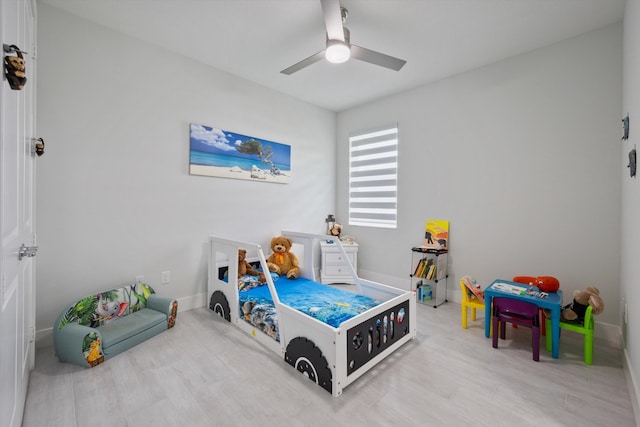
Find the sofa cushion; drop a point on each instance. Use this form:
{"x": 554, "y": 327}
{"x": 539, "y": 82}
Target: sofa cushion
{"x": 104, "y": 307}
{"x": 133, "y": 340}
{"x": 122, "y": 328}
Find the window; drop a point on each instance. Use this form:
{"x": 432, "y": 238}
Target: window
{"x": 373, "y": 178}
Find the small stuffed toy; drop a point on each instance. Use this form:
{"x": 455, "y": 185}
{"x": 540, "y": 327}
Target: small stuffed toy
{"x": 246, "y": 309}
{"x": 335, "y": 230}
{"x": 15, "y": 69}
{"x": 282, "y": 261}
{"x": 547, "y": 283}
{"x": 575, "y": 311}
{"x": 244, "y": 268}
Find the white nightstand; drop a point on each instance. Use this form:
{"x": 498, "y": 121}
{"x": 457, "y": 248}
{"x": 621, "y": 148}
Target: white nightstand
{"x": 334, "y": 268}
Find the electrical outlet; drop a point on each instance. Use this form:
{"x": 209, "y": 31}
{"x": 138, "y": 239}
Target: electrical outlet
{"x": 166, "y": 277}
{"x": 140, "y": 278}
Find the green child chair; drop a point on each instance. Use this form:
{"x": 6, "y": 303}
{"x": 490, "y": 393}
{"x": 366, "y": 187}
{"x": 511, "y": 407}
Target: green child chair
{"x": 586, "y": 329}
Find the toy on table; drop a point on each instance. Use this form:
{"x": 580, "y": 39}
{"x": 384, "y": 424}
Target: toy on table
{"x": 543, "y": 283}
{"x": 547, "y": 283}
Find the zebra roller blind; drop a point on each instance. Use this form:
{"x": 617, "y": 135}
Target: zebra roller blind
{"x": 373, "y": 178}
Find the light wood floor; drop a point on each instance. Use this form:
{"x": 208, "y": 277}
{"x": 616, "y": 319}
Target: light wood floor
{"x": 206, "y": 372}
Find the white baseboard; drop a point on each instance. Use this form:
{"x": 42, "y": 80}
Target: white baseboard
{"x": 385, "y": 279}
{"x": 610, "y": 334}
{"x": 191, "y": 302}
{"x": 632, "y": 385}
{"x": 44, "y": 338}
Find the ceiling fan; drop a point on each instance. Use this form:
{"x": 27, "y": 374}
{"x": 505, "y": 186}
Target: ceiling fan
{"x": 339, "y": 48}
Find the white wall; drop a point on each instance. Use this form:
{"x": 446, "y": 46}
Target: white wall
{"x": 630, "y": 252}
{"x": 522, "y": 156}
{"x": 115, "y": 198}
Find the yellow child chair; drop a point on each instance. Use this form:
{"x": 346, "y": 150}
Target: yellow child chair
{"x": 587, "y": 329}
{"x": 469, "y": 299}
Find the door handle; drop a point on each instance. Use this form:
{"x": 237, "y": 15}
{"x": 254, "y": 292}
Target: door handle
{"x": 27, "y": 251}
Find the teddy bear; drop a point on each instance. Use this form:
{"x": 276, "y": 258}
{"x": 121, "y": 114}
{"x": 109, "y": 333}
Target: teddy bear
{"x": 335, "y": 230}
{"x": 244, "y": 268}
{"x": 282, "y": 261}
{"x": 575, "y": 311}
{"x": 15, "y": 70}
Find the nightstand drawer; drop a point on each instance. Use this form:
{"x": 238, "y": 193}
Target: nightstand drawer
{"x": 336, "y": 270}
{"x": 337, "y": 258}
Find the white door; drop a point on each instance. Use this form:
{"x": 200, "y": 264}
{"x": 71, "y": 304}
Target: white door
{"x": 17, "y": 211}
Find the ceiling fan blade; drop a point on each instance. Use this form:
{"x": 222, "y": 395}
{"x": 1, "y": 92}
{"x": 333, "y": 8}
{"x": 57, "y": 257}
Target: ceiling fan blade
{"x": 376, "y": 58}
{"x": 333, "y": 19}
{"x": 304, "y": 63}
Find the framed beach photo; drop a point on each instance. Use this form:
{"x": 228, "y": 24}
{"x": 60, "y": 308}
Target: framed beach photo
{"x": 221, "y": 153}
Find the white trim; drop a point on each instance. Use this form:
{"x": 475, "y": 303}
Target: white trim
{"x": 632, "y": 385}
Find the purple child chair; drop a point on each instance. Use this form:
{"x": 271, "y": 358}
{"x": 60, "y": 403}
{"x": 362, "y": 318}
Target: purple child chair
{"x": 519, "y": 313}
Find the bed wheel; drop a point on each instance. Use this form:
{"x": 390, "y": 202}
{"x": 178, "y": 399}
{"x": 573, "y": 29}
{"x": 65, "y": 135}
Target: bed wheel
{"x": 220, "y": 305}
{"x": 303, "y": 355}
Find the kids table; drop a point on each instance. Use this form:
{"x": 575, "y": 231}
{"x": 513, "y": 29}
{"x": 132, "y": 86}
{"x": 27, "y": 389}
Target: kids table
{"x": 519, "y": 291}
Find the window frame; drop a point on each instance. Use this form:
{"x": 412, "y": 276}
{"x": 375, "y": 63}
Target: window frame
{"x": 374, "y": 169}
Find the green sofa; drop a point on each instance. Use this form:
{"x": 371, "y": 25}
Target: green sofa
{"x": 100, "y": 326}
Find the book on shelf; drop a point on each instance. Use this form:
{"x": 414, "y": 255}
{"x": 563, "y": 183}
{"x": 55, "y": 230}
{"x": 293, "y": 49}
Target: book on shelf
{"x": 427, "y": 293}
{"x": 419, "y": 267}
{"x": 425, "y": 269}
{"x": 424, "y": 292}
{"x": 431, "y": 271}
{"x": 436, "y": 234}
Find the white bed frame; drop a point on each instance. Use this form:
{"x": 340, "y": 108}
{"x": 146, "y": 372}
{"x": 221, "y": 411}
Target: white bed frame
{"x": 329, "y": 356}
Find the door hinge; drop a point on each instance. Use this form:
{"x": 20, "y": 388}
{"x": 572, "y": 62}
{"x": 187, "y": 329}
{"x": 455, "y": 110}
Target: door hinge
{"x": 27, "y": 251}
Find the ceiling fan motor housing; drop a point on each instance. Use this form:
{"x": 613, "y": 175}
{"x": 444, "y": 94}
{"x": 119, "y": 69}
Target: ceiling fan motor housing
{"x": 339, "y": 51}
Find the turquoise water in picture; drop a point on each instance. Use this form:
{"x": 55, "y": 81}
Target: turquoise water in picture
{"x": 211, "y": 159}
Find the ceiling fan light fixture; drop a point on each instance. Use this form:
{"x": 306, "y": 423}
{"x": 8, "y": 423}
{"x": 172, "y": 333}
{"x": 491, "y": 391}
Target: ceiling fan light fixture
{"x": 337, "y": 52}
{"x": 339, "y": 48}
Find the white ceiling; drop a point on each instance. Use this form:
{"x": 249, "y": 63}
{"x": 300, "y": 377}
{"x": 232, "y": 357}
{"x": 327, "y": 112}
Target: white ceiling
{"x": 256, "y": 39}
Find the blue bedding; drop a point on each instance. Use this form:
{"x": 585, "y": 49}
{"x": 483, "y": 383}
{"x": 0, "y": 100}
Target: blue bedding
{"x": 325, "y": 303}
